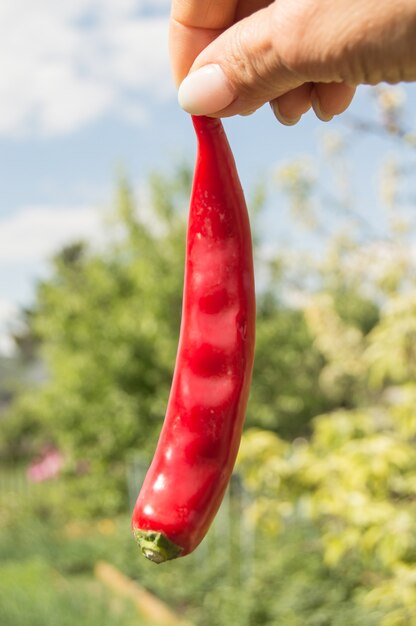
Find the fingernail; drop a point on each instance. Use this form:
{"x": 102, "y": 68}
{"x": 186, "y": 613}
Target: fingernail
{"x": 281, "y": 118}
{"x": 205, "y": 91}
{"x": 316, "y": 105}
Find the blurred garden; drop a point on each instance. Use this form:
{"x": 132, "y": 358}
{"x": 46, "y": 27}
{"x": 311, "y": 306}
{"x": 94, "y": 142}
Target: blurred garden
{"x": 318, "y": 526}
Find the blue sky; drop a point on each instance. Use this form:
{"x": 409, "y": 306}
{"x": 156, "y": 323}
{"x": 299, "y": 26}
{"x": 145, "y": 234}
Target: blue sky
{"x": 85, "y": 88}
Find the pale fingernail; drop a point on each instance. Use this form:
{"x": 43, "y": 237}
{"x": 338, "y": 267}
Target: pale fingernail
{"x": 316, "y": 105}
{"x": 283, "y": 120}
{"x": 205, "y": 91}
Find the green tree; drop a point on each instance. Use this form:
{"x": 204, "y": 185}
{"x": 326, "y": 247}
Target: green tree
{"x": 105, "y": 326}
{"x": 107, "y": 323}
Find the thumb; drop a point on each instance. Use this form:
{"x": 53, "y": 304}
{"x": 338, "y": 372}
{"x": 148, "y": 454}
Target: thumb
{"x": 242, "y": 69}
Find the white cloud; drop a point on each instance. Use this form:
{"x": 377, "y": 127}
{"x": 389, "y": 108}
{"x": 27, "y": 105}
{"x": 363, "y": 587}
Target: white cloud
{"x": 27, "y": 239}
{"x": 34, "y": 233}
{"x": 8, "y": 313}
{"x": 64, "y": 64}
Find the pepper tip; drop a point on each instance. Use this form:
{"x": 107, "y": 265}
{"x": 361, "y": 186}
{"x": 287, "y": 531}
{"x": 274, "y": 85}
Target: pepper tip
{"x": 156, "y": 546}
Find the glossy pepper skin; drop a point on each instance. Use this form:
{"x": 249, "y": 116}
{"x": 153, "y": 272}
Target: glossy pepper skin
{"x": 198, "y": 444}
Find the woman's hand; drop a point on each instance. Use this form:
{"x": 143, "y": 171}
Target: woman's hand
{"x": 232, "y": 56}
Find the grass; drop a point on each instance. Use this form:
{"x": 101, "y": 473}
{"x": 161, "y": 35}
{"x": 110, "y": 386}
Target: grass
{"x": 32, "y": 593}
{"x": 47, "y": 570}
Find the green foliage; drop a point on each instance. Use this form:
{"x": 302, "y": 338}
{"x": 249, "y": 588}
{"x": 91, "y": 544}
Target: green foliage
{"x": 234, "y": 577}
{"x": 327, "y": 538}
{"x": 285, "y": 392}
{"x": 355, "y": 478}
{"x": 34, "y": 594}
{"x": 107, "y": 324}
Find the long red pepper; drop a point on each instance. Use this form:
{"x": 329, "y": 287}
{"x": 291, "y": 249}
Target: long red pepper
{"x": 196, "y": 452}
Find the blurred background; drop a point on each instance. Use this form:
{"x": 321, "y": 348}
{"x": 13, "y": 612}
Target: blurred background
{"x": 318, "y": 525}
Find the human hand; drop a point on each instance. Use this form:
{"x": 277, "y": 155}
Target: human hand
{"x": 232, "y": 56}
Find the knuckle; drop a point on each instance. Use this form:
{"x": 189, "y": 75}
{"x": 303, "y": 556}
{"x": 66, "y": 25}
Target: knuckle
{"x": 246, "y": 67}
{"x": 243, "y": 57}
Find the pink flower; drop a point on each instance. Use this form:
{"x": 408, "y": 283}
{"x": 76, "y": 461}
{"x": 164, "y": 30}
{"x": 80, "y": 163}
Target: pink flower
{"x": 47, "y": 467}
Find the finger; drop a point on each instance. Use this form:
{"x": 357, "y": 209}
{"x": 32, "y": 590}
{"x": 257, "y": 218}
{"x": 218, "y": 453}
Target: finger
{"x": 290, "y": 107}
{"x": 240, "y": 70}
{"x": 193, "y": 25}
{"x": 329, "y": 99}
{"x": 216, "y": 14}
{"x": 185, "y": 43}
{"x": 248, "y": 7}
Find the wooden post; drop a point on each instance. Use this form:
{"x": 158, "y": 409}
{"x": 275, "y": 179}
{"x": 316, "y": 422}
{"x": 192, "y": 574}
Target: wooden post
{"x": 148, "y": 605}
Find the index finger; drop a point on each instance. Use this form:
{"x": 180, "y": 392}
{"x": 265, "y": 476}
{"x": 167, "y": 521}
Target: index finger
{"x": 194, "y": 24}
{"x": 208, "y": 14}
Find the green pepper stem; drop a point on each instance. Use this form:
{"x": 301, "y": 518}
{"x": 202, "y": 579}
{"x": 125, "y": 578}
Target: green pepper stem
{"x": 156, "y": 546}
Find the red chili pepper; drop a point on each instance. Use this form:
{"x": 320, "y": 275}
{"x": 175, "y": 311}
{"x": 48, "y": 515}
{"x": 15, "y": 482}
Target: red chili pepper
{"x": 196, "y": 452}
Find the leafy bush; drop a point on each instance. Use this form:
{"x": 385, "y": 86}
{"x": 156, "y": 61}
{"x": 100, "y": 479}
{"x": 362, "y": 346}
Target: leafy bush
{"x": 237, "y": 575}
{"x": 106, "y": 325}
